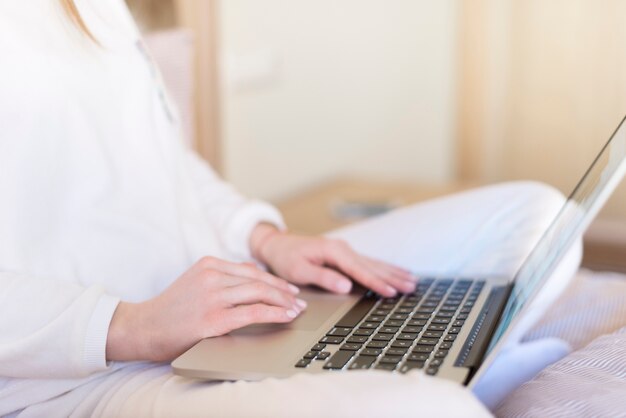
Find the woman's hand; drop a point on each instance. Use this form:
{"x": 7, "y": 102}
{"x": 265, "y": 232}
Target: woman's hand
{"x": 325, "y": 263}
{"x": 212, "y": 298}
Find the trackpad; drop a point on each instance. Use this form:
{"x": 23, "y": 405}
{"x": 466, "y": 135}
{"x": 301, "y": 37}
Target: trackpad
{"x": 321, "y": 306}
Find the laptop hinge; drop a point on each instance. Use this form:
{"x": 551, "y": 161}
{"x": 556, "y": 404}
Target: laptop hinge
{"x": 476, "y": 344}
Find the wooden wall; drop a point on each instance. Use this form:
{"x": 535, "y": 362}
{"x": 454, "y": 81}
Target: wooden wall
{"x": 542, "y": 86}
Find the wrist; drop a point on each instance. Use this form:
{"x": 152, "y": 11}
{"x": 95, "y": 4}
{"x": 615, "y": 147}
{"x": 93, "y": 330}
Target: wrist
{"x": 261, "y": 235}
{"x": 125, "y": 339}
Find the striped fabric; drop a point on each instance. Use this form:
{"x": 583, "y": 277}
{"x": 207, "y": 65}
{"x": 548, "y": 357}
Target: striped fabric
{"x": 594, "y": 305}
{"x": 590, "y": 382}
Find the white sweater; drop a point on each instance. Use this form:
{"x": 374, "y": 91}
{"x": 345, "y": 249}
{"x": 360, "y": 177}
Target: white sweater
{"x": 100, "y": 201}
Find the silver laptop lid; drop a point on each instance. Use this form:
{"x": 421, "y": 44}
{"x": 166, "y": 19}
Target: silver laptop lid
{"x": 596, "y": 186}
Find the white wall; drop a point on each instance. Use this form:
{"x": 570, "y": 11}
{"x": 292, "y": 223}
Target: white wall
{"x": 313, "y": 89}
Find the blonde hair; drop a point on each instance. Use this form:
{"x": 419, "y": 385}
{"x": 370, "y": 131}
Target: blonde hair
{"x": 72, "y": 11}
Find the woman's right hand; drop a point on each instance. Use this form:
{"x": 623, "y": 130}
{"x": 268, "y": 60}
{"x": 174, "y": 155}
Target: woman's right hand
{"x": 212, "y": 298}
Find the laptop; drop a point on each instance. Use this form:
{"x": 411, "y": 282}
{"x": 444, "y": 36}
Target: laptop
{"x": 450, "y": 327}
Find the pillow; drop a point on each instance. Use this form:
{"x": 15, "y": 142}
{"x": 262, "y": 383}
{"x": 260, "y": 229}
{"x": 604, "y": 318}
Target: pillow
{"x": 588, "y": 382}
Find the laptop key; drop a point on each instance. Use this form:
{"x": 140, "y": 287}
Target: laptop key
{"x": 393, "y": 323}
{"x": 428, "y": 341}
{"x": 322, "y": 355}
{"x": 454, "y": 330}
{"x": 402, "y": 344}
{"x": 437, "y": 327}
{"x": 417, "y": 322}
{"x": 370, "y": 325}
{"x": 303, "y": 363}
{"x": 339, "y": 332}
{"x": 450, "y": 337}
{"x": 386, "y": 366}
{"x": 440, "y": 321}
{"x": 352, "y": 318}
{"x": 310, "y": 355}
{"x": 407, "y": 336}
{"x": 375, "y": 318}
{"x": 392, "y": 351}
{"x": 441, "y": 353}
{"x": 382, "y": 337}
{"x": 362, "y": 362}
{"x": 331, "y": 340}
{"x": 404, "y": 310}
{"x": 418, "y": 357}
{"x": 435, "y": 362}
{"x": 372, "y": 352}
{"x": 423, "y": 348}
{"x": 364, "y": 332}
{"x": 410, "y": 365}
{"x": 432, "y": 371}
{"x": 445, "y": 345}
{"x": 318, "y": 347}
{"x": 432, "y": 334}
{"x": 388, "y": 330}
{"x": 391, "y": 359}
{"x": 338, "y": 360}
{"x": 415, "y": 330}
{"x": 351, "y": 347}
{"x": 357, "y": 339}
{"x": 377, "y": 344}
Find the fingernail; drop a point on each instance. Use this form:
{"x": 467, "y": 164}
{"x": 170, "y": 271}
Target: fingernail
{"x": 343, "y": 286}
{"x": 391, "y": 290}
{"x": 291, "y": 313}
{"x": 293, "y": 289}
{"x": 301, "y": 303}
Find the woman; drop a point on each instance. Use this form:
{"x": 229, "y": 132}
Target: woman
{"x": 103, "y": 218}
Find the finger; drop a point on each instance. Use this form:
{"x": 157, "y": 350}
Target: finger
{"x": 396, "y": 271}
{"x": 399, "y": 283}
{"x": 325, "y": 278}
{"x": 255, "y": 292}
{"x": 342, "y": 257}
{"x": 250, "y": 271}
{"x": 244, "y": 315}
{"x": 389, "y": 270}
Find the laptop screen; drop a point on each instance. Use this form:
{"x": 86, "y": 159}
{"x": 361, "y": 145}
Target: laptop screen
{"x": 583, "y": 204}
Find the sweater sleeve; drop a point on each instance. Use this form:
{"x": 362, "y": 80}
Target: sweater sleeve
{"x": 52, "y": 329}
{"x": 233, "y": 215}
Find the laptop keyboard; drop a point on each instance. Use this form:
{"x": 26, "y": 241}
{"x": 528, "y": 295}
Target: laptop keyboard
{"x": 412, "y": 331}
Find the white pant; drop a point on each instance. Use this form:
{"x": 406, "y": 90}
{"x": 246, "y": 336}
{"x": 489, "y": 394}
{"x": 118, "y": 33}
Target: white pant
{"x": 485, "y": 231}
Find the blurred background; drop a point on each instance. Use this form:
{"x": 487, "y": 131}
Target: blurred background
{"x": 339, "y": 109}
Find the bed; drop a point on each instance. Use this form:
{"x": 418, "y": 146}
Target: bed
{"x": 591, "y": 380}
{"x": 590, "y": 315}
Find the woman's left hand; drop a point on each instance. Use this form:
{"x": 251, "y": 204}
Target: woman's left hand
{"x": 326, "y": 263}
